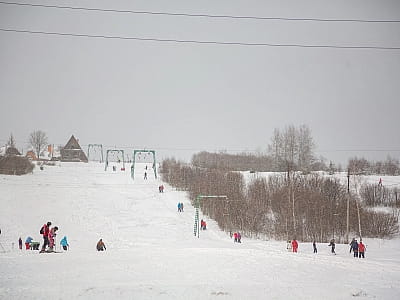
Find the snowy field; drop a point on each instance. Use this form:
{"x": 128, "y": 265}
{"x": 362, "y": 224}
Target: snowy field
{"x": 152, "y": 252}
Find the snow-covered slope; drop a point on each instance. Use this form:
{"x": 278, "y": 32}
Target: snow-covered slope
{"x": 152, "y": 252}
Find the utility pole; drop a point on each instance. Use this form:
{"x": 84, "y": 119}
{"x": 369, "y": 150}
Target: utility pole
{"x": 348, "y": 206}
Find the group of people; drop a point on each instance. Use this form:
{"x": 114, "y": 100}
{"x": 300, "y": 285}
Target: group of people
{"x": 358, "y": 248}
{"x": 49, "y": 235}
{"x": 180, "y": 207}
{"x": 237, "y": 237}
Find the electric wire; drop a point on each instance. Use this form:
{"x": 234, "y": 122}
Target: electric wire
{"x": 197, "y": 15}
{"x": 204, "y": 42}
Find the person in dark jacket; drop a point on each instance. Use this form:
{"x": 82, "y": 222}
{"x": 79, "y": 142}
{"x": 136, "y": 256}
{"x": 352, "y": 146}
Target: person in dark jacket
{"x": 355, "y": 248}
{"x": 100, "y": 245}
{"x": 20, "y": 243}
{"x": 46, "y": 231}
{"x": 332, "y": 244}
{"x": 314, "y": 244}
{"x": 351, "y": 244}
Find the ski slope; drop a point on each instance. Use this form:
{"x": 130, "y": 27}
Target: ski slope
{"x": 152, "y": 252}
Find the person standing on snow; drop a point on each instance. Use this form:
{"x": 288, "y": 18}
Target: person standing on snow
{"x": 45, "y": 232}
{"x": 314, "y": 244}
{"x": 20, "y": 243}
{"x": 295, "y": 245}
{"x": 239, "y": 237}
{"x": 28, "y": 242}
{"x": 361, "y": 249}
{"x": 52, "y": 235}
{"x": 234, "y": 236}
{"x": 332, "y": 244}
{"x": 64, "y": 243}
{"x": 355, "y": 248}
{"x": 100, "y": 245}
{"x": 351, "y": 244}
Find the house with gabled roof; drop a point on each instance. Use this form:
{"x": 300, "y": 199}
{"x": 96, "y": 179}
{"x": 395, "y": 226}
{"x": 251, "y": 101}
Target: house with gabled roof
{"x": 72, "y": 152}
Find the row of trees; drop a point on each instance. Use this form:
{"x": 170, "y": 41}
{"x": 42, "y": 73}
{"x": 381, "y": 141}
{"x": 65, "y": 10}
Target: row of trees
{"x": 307, "y": 207}
{"x": 37, "y": 140}
{"x": 290, "y": 149}
{"x": 390, "y": 166}
{"x": 376, "y": 195}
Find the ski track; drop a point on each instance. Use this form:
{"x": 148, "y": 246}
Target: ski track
{"x": 152, "y": 252}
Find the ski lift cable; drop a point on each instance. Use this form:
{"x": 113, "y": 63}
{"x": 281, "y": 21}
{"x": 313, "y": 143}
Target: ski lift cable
{"x": 202, "y": 42}
{"x": 174, "y": 14}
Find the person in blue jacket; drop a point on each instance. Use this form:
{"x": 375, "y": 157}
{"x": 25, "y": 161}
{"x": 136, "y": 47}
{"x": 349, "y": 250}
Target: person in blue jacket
{"x": 64, "y": 243}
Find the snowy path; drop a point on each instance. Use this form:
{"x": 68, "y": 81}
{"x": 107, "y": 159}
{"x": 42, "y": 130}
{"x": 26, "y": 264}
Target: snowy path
{"x": 152, "y": 253}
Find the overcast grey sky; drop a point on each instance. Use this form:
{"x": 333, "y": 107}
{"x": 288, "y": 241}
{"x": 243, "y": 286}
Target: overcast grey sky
{"x": 183, "y": 98}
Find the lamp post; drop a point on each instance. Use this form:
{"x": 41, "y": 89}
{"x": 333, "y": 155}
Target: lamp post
{"x": 196, "y": 226}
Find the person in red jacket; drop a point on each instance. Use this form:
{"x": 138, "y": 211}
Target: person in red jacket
{"x": 45, "y": 233}
{"x": 361, "y": 249}
{"x": 295, "y": 245}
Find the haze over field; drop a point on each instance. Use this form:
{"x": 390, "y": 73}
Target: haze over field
{"x": 181, "y": 98}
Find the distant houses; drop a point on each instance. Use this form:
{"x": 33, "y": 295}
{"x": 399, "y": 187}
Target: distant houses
{"x": 72, "y": 152}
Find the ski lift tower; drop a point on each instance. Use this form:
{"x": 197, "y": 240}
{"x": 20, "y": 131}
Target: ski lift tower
{"x": 94, "y": 148}
{"x": 134, "y": 158}
{"x": 196, "y": 226}
{"x": 115, "y": 151}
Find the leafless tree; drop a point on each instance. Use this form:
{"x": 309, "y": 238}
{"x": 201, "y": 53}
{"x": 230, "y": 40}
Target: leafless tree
{"x": 11, "y": 141}
{"x": 38, "y": 141}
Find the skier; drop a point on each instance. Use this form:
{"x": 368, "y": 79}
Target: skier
{"x": 234, "y": 237}
{"x": 100, "y": 245}
{"x": 52, "y": 235}
{"x": 45, "y": 232}
{"x": 64, "y": 243}
{"x": 28, "y": 242}
{"x": 289, "y": 246}
{"x": 314, "y": 244}
{"x": 295, "y": 245}
{"x": 20, "y": 243}
{"x": 332, "y": 244}
{"x": 361, "y": 249}
{"x": 145, "y": 176}
{"x": 179, "y": 207}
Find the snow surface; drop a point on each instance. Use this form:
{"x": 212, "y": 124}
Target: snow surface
{"x": 152, "y": 252}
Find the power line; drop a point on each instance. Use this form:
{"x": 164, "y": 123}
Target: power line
{"x": 198, "y": 41}
{"x": 199, "y": 15}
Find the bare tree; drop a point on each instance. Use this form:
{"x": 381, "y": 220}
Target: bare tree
{"x": 38, "y": 141}
{"x": 11, "y": 141}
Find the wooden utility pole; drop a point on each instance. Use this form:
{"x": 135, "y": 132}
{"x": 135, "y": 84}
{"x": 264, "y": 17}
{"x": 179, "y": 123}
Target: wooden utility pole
{"x": 348, "y": 206}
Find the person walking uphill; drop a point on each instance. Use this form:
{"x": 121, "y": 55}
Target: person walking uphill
{"x": 45, "y": 232}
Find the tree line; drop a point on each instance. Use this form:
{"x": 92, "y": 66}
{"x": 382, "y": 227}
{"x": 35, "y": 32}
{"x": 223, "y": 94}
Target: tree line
{"x": 263, "y": 208}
